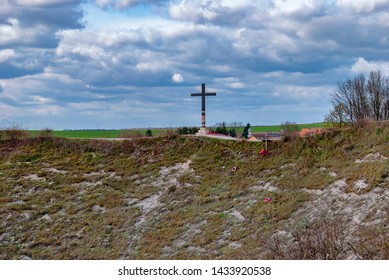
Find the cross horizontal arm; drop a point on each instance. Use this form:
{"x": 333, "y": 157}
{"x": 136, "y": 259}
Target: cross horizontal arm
{"x": 206, "y": 94}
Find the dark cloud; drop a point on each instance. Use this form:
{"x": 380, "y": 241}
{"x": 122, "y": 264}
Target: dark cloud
{"x": 24, "y": 61}
{"x": 29, "y": 28}
{"x": 34, "y": 24}
{"x": 57, "y": 17}
{"x": 10, "y": 71}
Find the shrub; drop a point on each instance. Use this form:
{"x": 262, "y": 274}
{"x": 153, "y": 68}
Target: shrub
{"x": 289, "y": 130}
{"x": 46, "y": 132}
{"x": 325, "y": 240}
{"x": 187, "y": 130}
{"x": 364, "y": 123}
{"x": 232, "y": 132}
{"x": 221, "y": 128}
{"x": 371, "y": 243}
{"x": 16, "y": 134}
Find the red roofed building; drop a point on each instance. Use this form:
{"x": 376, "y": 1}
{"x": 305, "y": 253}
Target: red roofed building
{"x": 310, "y": 131}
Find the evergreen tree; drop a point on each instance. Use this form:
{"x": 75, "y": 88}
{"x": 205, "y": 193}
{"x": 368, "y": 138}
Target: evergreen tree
{"x": 246, "y": 131}
{"x": 232, "y": 132}
{"x": 224, "y": 129}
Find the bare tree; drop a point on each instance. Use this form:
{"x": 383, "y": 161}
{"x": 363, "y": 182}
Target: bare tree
{"x": 337, "y": 116}
{"x": 360, "y": 99}
{"x": 289, "y": 129}
{"x": 344, "y": 95}
{"x": 375, "y": 89}
{"x": 360, "y": 102}
{"x": 386, "y": 99}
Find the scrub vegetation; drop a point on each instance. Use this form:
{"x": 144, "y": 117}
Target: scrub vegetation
{"x": 173, "y": 197}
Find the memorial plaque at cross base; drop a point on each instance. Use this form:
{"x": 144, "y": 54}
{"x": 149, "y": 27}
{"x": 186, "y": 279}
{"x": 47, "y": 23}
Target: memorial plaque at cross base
{"x": 203, "y": 94}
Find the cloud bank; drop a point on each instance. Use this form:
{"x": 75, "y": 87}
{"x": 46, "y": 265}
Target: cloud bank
{"x": 129, "y": 63}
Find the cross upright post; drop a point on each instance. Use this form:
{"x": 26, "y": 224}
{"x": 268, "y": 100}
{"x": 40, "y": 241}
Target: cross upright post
{"x": 203, "y": 94}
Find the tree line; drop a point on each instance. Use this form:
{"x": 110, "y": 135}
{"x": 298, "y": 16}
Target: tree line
{"x": 359, "y": 98}
{"x": 222, "y": 129}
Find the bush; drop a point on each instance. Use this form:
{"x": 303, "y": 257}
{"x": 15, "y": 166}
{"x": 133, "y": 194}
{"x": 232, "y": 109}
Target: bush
{"x": 289, "y": 130}
{"x": 364, "y": 123}
{"x": 14, "y": 133}
{"x": 232, "y": 132}
{"x": 324, "y": 240}
{"x": 221, "y": 128}
{"x": 46, "y": 132}
{"x": 187, "y": 130}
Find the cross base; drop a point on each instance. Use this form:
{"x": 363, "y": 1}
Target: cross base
{"x": 202, "y": 132}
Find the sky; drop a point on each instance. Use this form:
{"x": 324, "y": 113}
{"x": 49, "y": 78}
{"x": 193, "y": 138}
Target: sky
{"x": 71, "y": 64}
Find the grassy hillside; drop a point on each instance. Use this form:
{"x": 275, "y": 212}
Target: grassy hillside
{"x": 181, "y": 198}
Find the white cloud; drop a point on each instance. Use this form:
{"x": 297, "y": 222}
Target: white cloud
{"x": 7, "y": 112}
{"x": 363, "y": 6}
{"x": 38, "y": 100}
{"x": 294, "y": 6}
{"x": 46, "y": 110}
{"x": 221, "y": 12}
{"x": 363, "y": 66}
{"x": 231, "y": 82}
{"x": 6, "y": 54}
{"x": 103, "y": 3}
{"x": 194, "y": 10}
{"x": 177, "y": 78}
{"x": 10, "y": 32}
{"x": 122, "y": 4}
{"x": 126, "y": 3}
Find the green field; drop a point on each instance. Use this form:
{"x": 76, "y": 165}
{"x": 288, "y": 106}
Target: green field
{"x": 120, "y": 133}
{"x": 277, "y": 128}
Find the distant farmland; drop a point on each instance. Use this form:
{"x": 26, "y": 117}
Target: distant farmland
{"x": 96, "y": 133}
{"x": 121, "y": 133}
{"x": 277, "y": 128}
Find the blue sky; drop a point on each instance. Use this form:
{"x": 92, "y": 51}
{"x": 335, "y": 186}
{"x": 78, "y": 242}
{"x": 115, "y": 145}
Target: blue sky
{"x": 129, "y": 63}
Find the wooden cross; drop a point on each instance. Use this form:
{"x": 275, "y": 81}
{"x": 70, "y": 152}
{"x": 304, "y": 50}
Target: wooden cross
{"x": 203, "y": 94}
